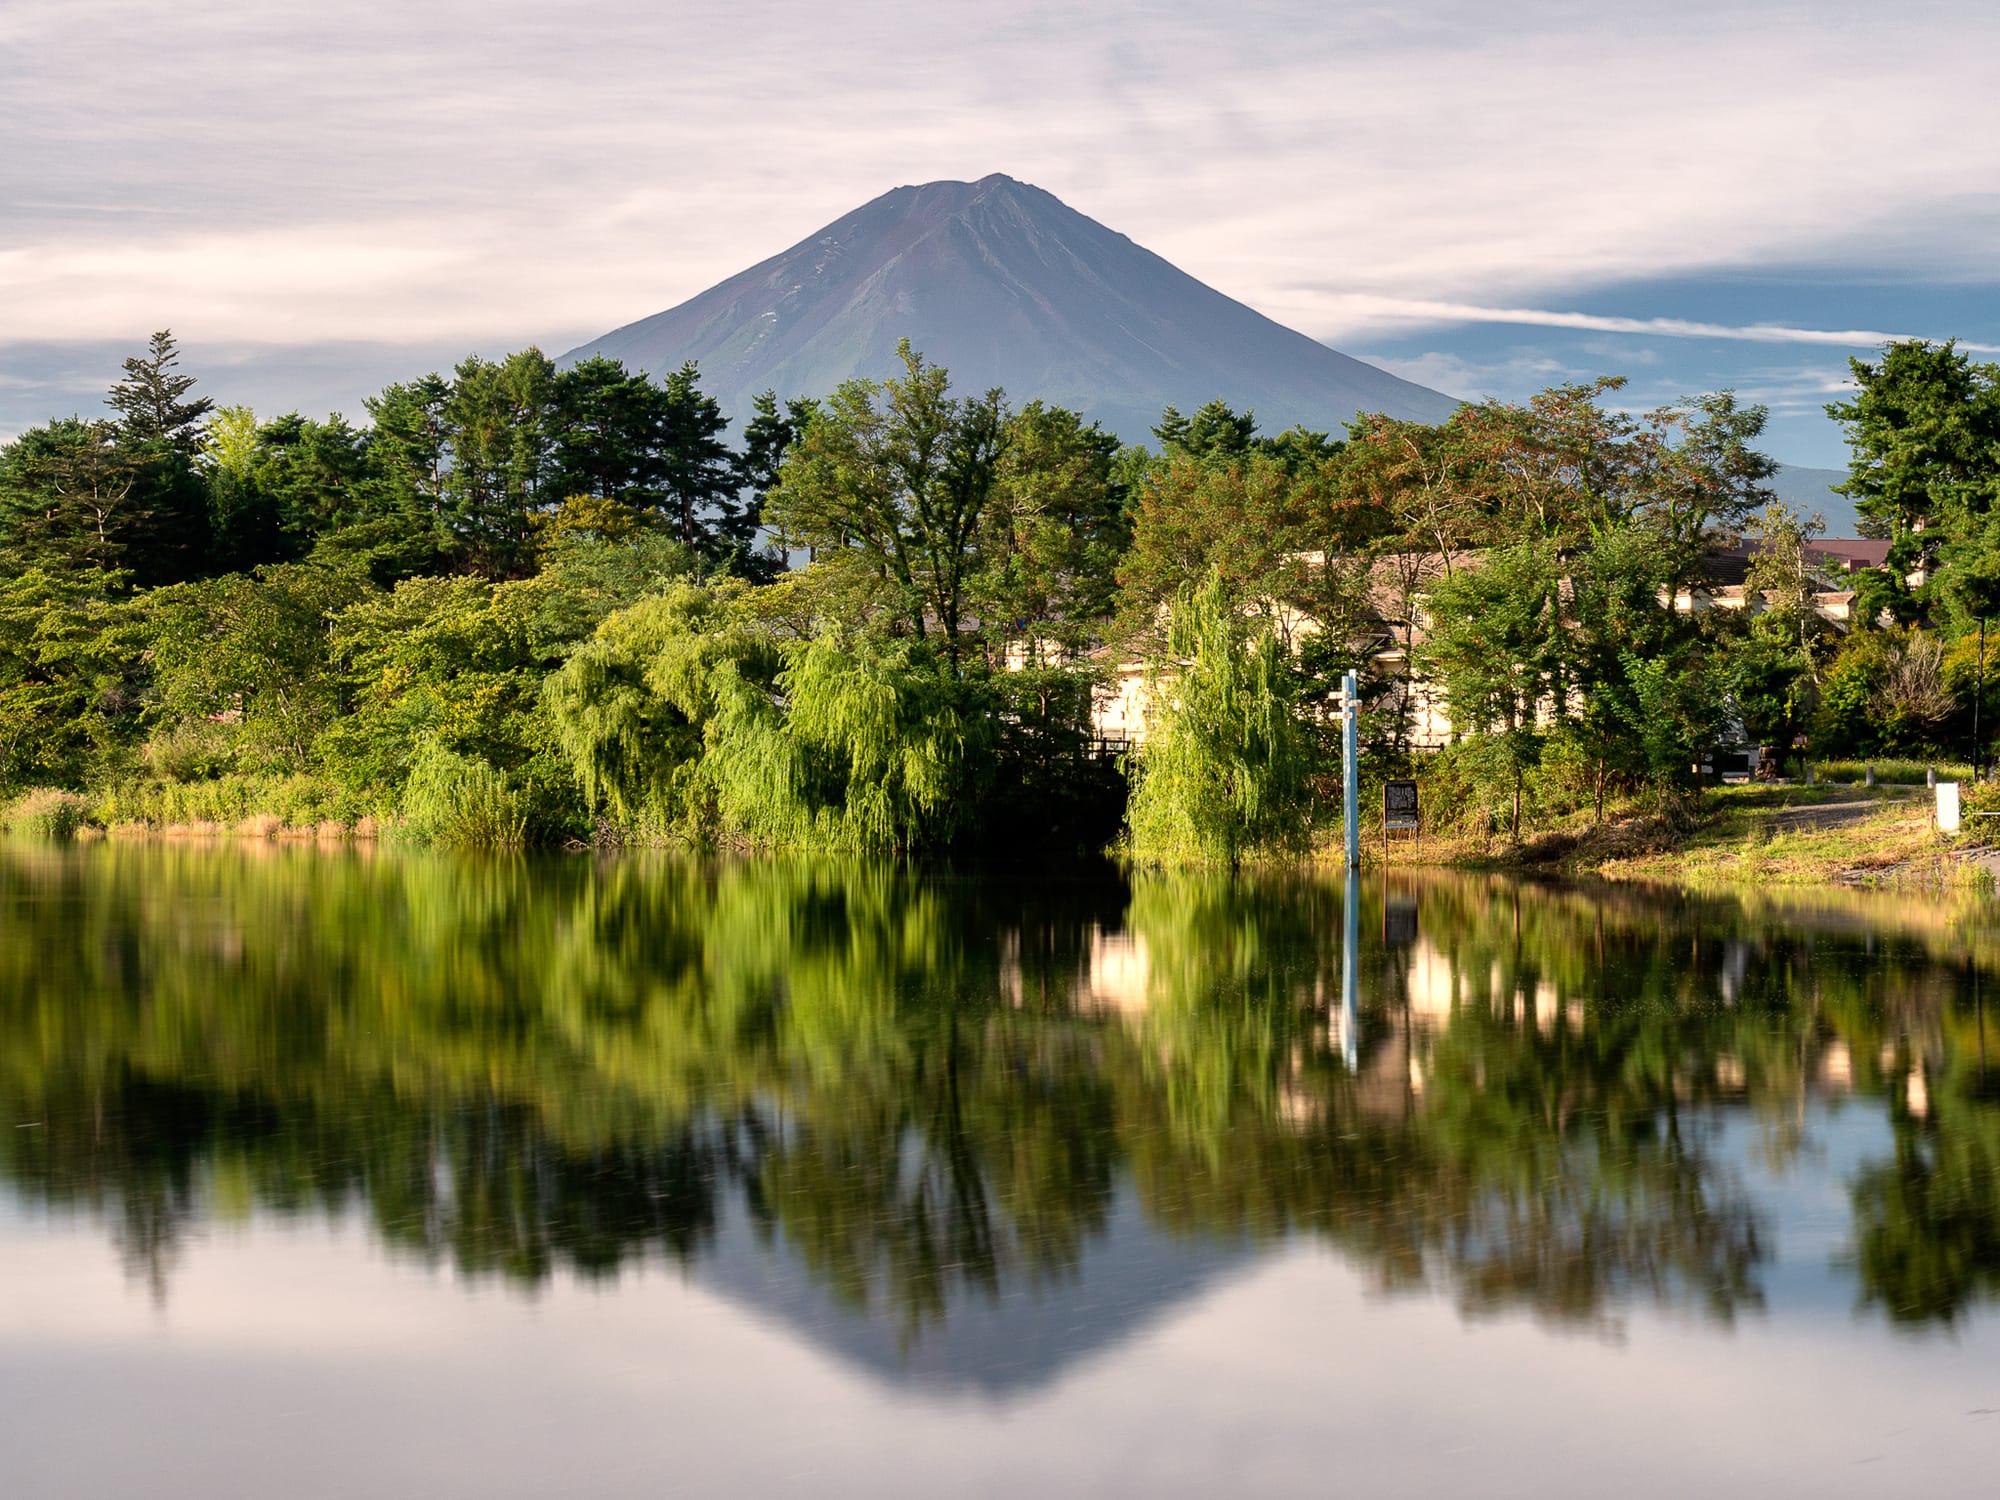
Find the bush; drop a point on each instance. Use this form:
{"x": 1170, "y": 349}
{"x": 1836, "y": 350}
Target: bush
{"x": 461, "y": 802}
{"x": 48, "y": 813}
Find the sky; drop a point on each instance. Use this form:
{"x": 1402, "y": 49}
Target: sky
{"x": 1488, "y": 199}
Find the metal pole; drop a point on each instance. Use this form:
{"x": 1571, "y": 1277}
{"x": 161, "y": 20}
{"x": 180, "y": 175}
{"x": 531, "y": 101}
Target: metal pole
{"x": 1350, "y": 773}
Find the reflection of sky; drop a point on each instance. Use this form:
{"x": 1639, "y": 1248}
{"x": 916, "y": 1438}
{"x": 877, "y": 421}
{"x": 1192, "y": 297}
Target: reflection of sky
{"x": 293, "y": 1361}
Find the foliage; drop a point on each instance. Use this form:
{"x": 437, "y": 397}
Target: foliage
{"x": 47, "y": 812}
{"x": 460, "y": 802}
{"x": 149, "y": 399}
{"x": 193, "y": 594}
{"x": 889, "y": 485}
{"x": 71, "y": 657}
{"x": 632, "y": 707}
{"x": 1885, "y": 691}
{"x": 683, "y": 715}
{"x": 216, "y": 802}
{"x": 249, "y": 652}
{"x": 1222, "y": 776}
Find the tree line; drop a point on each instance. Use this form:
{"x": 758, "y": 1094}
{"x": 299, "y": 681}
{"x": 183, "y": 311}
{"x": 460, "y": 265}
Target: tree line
{"x": 527, "y": 602}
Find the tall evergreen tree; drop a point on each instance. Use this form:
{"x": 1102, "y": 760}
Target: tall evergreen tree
{"x": 498, "y": 423}
{"x": 767, "y": 438}
{"x": 150, "y": 399}
{"x": 698, "y": 488}
{"x": 608, "y": 432}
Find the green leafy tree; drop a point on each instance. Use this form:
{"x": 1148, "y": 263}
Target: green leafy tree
{"x": 1052, "y": 534}
{"x": 888, "y": 487}
{"x": 70, "y": 665}
{"x": 71, "y": 497}
{"x": 1223, "y": 773}
{"x": 251, "y": 652}
{"x": 1923, "y": 430}
{"x": 768, "y": 436}
{"x": 497, "y": 421}
{"x": 699, "y": 496}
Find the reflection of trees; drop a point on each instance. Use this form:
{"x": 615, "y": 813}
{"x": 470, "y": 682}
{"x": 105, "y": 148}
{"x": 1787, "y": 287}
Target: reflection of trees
{"x": 1535, "y": 1167}
{"x": 909, "y": 1082}
{"x": 1927, "y": 1219}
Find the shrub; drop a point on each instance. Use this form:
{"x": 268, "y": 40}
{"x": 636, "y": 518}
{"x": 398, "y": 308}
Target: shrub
{"x": 461, "y": 802}
{"x": 48, "y": 813}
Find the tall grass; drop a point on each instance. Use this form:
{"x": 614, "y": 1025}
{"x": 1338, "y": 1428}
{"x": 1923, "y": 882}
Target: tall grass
{"x": 47, "y": 812}
{"x": 461, "y": 802}
{"x": 263, "y": 804}
{"x": 1889, "y": 772}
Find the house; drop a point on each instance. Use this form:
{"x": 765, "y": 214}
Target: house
{"x": 1398, "y": 585}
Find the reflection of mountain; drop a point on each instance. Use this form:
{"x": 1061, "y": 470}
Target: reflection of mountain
{"x": 1127, "y": 1279}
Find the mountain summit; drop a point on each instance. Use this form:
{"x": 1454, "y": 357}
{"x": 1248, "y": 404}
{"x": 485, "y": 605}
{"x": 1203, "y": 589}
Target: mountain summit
{"x": 1004, "y": 284}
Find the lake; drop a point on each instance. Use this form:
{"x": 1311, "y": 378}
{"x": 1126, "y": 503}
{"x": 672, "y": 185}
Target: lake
{"x": 358, "y": 1171}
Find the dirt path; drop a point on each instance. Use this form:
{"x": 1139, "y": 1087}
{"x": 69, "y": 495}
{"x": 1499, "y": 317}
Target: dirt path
{"x": 1829, "y": 814}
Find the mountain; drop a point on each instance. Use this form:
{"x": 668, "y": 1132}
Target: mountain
{"x": 1004, "y": 284}
{"x": 1811, "y": 490}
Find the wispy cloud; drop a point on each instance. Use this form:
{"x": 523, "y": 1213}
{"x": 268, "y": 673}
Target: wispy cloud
{"x": 1348, "y": 312}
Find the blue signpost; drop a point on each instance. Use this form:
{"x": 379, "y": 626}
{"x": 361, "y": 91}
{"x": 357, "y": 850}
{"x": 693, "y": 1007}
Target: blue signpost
{"x": 1350, "y": 816}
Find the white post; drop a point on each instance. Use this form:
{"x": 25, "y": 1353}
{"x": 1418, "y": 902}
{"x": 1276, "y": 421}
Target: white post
{"x": 1947, "y": 807}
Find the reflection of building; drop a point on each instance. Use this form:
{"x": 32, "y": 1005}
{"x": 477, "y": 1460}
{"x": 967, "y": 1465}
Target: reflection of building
{"x": 1118, "y": 972}
{"x": 1113, "y": 974}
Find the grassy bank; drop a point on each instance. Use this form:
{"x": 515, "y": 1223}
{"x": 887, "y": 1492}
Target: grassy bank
{"x": 1746, "y": 835}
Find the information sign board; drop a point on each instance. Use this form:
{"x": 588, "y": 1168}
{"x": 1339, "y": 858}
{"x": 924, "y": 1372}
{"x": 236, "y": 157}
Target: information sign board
{"x": 1399, "y": 804}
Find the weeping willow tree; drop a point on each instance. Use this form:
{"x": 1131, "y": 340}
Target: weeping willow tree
{"x": 634, "y": 706}
{"x": 1223, "y": 775}
{"x": 461, "y": 802}
{"x": 684, "y": 716}
{"x": 874, "y": 752}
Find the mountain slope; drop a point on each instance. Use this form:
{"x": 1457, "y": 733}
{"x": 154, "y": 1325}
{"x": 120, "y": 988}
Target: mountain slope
{"x": 1811, "y": 490}
{"x": 1003, "y": 284}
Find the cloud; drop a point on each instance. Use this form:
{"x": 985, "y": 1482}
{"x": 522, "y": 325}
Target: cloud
{"x": 1349, "y": 312}
{"x": 504, "y": 170}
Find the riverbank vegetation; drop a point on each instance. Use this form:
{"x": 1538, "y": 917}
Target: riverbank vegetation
{"x": 529, "y": 604}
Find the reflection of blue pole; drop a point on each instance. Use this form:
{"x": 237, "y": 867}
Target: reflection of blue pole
{"x": 1350, "y": 990}
{"x": 1350, "y": 774}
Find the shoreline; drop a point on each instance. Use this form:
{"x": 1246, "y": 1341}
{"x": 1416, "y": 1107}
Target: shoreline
{"x": 1839, "y": 837}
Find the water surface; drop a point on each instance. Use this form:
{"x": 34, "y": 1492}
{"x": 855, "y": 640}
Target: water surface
{"x": 365, "y": 1172}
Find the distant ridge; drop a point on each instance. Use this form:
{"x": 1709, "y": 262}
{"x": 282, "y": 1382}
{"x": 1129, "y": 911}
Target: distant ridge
{"x": 1004, "y": 284}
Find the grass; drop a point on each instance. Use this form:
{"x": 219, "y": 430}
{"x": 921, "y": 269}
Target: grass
{"x": 1890, "y": 772}
{"x": 47, "y": 812}
{"x": 1876, "y": 837}
{"x": 1755, "y": 834}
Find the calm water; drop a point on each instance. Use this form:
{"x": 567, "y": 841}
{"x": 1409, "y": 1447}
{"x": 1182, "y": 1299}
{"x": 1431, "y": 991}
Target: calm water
{"x": 331, "y": 1174}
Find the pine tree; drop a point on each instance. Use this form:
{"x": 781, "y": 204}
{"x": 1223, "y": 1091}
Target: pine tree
{"x": 149, "y": 400}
